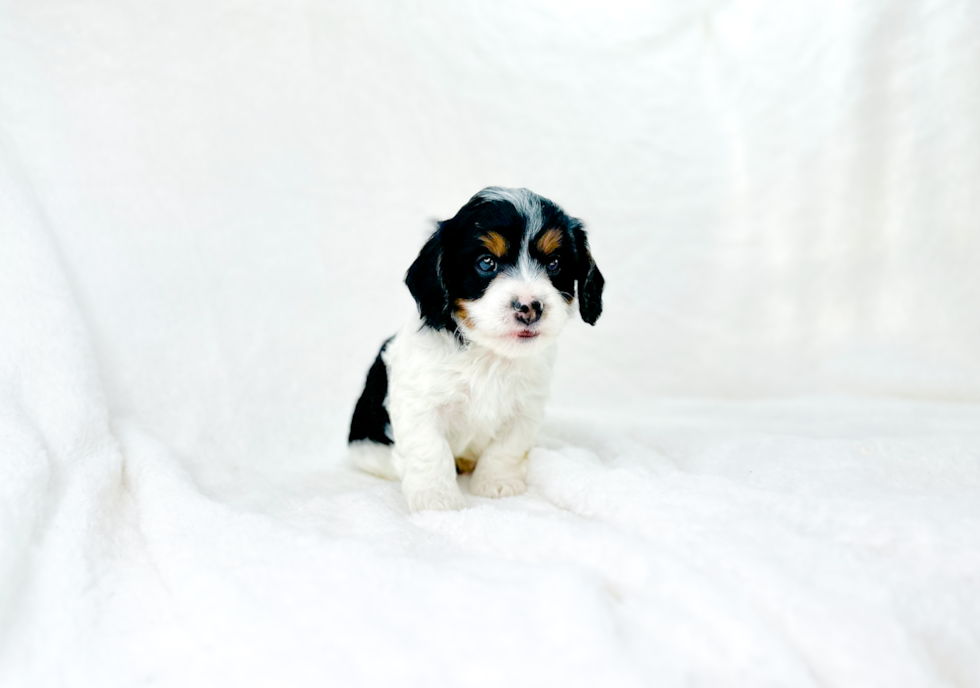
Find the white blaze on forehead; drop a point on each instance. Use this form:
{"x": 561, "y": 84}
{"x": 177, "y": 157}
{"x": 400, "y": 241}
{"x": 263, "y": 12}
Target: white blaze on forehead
{"x": 524, "y": 200}
{"x": 526, "y": 270}
{"x": 528, "y": 204}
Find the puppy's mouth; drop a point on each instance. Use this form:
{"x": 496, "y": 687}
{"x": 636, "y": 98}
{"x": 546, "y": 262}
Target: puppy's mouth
{"x": 527, "y": 333}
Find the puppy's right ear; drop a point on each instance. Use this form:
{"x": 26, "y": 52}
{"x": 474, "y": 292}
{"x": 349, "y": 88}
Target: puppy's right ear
{"x": 424, "y": 280}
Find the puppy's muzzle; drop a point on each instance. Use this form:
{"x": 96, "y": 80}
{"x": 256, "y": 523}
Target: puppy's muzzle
{"x": 527, "y": 313}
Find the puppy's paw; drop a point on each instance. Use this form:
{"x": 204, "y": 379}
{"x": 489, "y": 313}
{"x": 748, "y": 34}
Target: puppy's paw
{"x": 435, "y": 499}
{"x": 500, "y": 485}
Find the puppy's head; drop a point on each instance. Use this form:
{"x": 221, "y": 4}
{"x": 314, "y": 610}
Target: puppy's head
{"x": 503, "y": 272}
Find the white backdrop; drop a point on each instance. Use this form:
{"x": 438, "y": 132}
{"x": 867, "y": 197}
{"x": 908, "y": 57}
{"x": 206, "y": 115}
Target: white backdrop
{"x": 225, "y": 195}
{"x": 782, "y": 195}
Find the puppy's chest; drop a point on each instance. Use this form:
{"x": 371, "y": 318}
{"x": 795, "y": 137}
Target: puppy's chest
{"x": 473, "y": 392}
{"x": 485, "y": 392}
{"x": 488, "y": 392}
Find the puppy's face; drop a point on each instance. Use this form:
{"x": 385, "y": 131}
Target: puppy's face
{"x": 503, "y": 272}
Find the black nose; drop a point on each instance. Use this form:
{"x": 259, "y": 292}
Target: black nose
{"x": 527, "y": 313}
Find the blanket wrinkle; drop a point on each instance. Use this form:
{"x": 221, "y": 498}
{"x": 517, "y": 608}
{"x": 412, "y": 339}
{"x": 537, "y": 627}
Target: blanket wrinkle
{"x": 60, "y": 471}
{"x": 752, "y": 470}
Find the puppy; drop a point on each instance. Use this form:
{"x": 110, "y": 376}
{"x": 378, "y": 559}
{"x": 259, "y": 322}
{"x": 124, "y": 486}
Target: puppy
{"x": 464, "y": 385}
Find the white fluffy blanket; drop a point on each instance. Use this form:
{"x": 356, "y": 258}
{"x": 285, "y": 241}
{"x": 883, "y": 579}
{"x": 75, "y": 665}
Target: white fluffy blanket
{"x": 205, "y": 213}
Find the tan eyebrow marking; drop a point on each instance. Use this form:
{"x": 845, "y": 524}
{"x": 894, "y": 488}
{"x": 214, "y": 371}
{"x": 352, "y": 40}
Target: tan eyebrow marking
{"x": 495, "y": 243}
{"x": 549, "y": 241}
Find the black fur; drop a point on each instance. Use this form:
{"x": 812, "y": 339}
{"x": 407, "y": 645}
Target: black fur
{"x": 444, "y": 271}
{"x": 371, "y": 421}
{"x": 425, "y": 281}
{"x": 590, "y": 280}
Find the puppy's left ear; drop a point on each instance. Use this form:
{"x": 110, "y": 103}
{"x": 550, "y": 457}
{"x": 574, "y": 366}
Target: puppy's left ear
{"x": 424, "y": 280}
{"x": 590, "y": 280}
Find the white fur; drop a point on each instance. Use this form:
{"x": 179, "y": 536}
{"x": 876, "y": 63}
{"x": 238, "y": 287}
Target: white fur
{"x": 374, "y": 458}
{"x": 448, "y": 401}
{"x": 481, "y": 401}
{"x": 491, "y": 322}
{"x": 524, "y": 200}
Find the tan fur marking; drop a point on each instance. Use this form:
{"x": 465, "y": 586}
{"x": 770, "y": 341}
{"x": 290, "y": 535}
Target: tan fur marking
{"x": 549, "y": 241}
{"x": 495, "y": 243}
{"x": 464, "y": 466}
{"x": 462, "y": 315}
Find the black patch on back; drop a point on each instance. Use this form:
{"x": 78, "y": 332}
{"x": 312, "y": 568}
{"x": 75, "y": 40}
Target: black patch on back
{"x": 371, "y": 420}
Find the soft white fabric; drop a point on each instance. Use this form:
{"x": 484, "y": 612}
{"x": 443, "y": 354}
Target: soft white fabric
{"x": 206, "y": 210}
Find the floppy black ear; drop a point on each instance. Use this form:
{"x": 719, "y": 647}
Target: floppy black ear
{"x": 590, "y": 280}
{"x": 424, "y": 280}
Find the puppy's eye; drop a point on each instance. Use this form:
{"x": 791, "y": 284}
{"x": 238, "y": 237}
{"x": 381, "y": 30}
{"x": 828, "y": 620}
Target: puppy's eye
{"x": 486, "y": 265}
{"x": 553, "y": 267}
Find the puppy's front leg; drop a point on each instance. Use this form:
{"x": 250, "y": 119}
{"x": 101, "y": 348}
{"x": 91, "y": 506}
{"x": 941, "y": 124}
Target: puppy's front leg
{"x": 501, "y": 470}
{"x": 427, "y": 466}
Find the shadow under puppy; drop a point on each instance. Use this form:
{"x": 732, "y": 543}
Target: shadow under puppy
{"x": 466, "y": 382}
